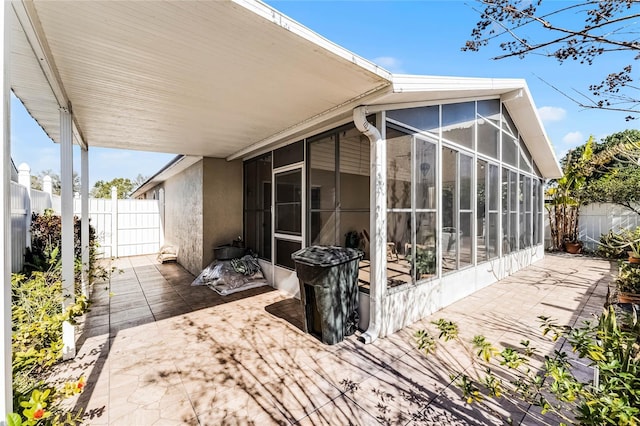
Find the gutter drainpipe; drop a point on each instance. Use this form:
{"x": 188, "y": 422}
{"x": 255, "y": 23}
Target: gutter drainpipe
{"x": 378, "y": 222}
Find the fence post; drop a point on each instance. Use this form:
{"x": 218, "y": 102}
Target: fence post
{"x": 47, "y": 186}
{"x": 84, "y": 218}
{"x": 114, "y": 222}
{"x": 24, "y": 179}
{"x": 6, "y": 394}
{"x": 67, "y": 228}
{"x": 161, "y": 214}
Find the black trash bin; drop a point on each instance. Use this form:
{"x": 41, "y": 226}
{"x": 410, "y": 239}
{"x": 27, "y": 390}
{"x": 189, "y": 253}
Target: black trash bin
{"x": 328, "y": 277}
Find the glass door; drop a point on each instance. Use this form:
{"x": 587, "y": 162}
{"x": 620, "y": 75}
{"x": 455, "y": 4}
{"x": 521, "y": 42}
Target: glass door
{"x": 288, "y": 218}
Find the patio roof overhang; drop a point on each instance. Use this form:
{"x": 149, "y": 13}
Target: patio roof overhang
{"x": 194, "y": 78}
{"x": 216, "y": 79}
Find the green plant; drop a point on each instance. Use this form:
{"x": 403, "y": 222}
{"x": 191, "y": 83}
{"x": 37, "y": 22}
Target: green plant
{"x": 424, "y": 262}
{"x": 628, "y": 279}
{"x": 37, "y": 317}
{"x": 40, "y": 405}
{"x": 564, "y": 197}
{"x": 610, "y": 346}
{"x": 616, "y": 245}
{"x": 46, "y": 232}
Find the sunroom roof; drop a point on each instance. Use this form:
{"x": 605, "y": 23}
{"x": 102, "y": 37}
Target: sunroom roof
{"x": 411, "y": 90}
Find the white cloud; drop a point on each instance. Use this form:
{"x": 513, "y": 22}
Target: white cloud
{"x": 573, "y": 138}
{"x": 550, "y": 113}
{"x": 390, "y": 63}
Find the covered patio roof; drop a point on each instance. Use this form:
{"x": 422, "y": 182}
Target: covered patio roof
{"x": 198, "y": 78}
{"x": 215, "y": 79}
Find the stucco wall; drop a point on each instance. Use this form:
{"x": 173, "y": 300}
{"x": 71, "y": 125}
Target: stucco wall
{"x": 222, "y": 204}
{"x": 151, "y": 194}
{"x": 183, "y": 216}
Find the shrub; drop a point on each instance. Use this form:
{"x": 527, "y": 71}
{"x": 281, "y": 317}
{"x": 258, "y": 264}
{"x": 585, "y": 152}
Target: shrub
{"x": 610, "y": 347}
{"x": 37, "y": 316}
{"x": 628, "y": 279}
{"x": 614, "y": 245}
{"x": 46, "y": 234}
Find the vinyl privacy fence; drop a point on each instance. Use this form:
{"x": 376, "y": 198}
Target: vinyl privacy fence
{"x": 123, "y": 227}
{"x": 597, "y": 219}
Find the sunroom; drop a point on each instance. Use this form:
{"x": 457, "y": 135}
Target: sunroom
{"x": 450, "y": 191}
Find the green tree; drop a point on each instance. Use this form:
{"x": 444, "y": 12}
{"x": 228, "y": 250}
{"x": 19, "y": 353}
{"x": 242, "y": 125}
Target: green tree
{"x": 102, "y": 189}
{"x": 529, "y": 27}
{"x": 565, "y": 196}
{"x": 594, "y": 172}
{"x": 618, "y": 180}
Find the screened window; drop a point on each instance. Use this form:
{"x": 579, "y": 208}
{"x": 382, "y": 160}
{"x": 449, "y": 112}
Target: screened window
{"x": 493, "y": 226}
{"x": 449, "y": 210}
{"x": 487, "y": 211}
{"x": 425, "y": 209}
{"x": 288, "y": 204}
{"x": 423, "y": 118}
{"x": 488, "y": 127}
{"x": 465, "y": 234}
{"x": 506, "y": 213}
{"x": 458, "y": 123}
{"x": 339, "y": 188}
{"x": 507, "y": 124}
{"x": 528, "y": 208}
{"x": 411, "y": 207}
{"x": 322, "y": 188}
{"x": 257, "y": 205}
{"x": 538, "y": 213}
{"x": 509, "y": 150}
{"x": 290, "y": 154}
{"x": 525, "y": 158}
{"x": 509, "y": 211}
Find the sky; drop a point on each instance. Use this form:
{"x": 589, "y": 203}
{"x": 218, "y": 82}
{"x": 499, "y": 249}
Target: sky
{"x": 405, "y": 37}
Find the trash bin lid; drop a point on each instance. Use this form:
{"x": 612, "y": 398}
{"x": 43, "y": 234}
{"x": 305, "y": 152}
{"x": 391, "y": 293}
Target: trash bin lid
{"x": 326, "y": 256}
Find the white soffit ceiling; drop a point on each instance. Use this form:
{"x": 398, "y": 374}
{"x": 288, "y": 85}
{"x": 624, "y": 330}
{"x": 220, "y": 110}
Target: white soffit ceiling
{"x": 203, "y": 78}
{"x": 33, "y": 88}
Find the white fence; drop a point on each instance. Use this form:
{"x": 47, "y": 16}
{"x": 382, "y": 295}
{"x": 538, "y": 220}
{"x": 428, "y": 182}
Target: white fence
{"x": 20, "y": 208}
{"x": 597, "y": 219}
{"x": 123, "y": 227}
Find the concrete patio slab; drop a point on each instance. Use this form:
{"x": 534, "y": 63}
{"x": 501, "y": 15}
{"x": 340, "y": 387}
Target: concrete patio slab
{"x": 157, "y": 351}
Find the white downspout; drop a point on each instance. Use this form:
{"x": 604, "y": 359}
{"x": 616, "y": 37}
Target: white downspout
{"x": 378, "y": 222}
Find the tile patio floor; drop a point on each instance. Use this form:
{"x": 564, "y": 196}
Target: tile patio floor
{"x": 157, "y": 351}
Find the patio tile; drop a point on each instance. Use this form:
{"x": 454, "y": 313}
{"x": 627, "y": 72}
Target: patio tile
{"x": 139, "y": 417}
{"x": 381, "y": 410}
{"x": 340, "y": 411}
{"x": 239, "y": 405}
{"x": 96, "y": 412}
{"x": 396, "y": 392}
{"x": 344, "y": 368}
{"x": 126, "y": 305}
{"x": 182, "y": 354}
{"x": 147, "y": 395}
{"x": 299, "y": 393}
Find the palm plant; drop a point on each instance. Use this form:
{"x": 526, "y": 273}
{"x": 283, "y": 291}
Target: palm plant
{"x": 564, "y": 198}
